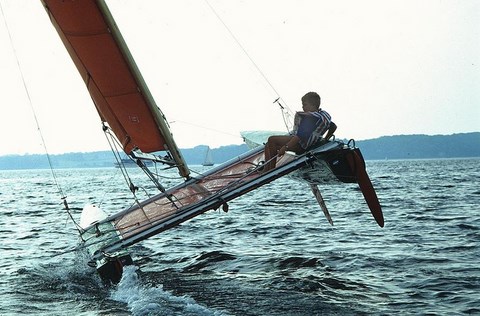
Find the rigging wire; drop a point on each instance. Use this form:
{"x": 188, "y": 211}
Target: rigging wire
{"x": 286, "y": 111}
{"x": 114, "y": 147}
{"x": 113, "y": 143}
{"x": 25, "y": 87}
{"x": 203, "y": 127}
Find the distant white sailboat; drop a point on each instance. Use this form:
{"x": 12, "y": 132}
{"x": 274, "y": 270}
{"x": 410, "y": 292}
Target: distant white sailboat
{"x": 208, "y": 158}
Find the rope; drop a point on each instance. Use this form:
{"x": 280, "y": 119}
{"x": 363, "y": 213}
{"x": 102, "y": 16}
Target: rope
{"x": 204, "y": 127}
{"x": 25, "y": 87}
{"x": 286, "y": 112}
{"x": 30, "y": 100}
{"x": 114, "y": 147}
{"x": 113, "y": 143}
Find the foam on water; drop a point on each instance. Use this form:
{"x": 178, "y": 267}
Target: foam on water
{"x": 146, "y": 299}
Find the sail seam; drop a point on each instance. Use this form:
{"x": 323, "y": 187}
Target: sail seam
{"x": 121, "y": 94}
{"x": 85, "y": 34}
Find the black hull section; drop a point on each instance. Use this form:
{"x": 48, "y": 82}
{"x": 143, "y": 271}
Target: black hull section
{"x": 111, "y": 272}
{"x": 340, "y": 165}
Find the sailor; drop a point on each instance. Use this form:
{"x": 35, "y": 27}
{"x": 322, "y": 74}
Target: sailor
{"x": 309, "y": 126}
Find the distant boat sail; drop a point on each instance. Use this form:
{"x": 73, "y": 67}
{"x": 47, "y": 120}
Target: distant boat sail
{"x": 127, "y": 108}
{"x": 208, "y": 161}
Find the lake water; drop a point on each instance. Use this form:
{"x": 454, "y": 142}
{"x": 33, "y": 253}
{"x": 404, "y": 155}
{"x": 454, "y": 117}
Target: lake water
{"x": 273, "y": 253}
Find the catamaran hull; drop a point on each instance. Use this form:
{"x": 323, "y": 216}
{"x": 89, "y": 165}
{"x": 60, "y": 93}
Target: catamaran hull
{"x": 343, "y": 164}
{"x": 330, "y": 167}
{"x": 111, "y": 271}
{"x": 333, "y": 162}
{"x": 94, "y": 237}
{"x": 224, "y": 183}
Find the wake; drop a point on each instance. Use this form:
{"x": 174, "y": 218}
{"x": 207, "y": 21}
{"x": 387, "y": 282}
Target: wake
{"x": 145, "y": 299}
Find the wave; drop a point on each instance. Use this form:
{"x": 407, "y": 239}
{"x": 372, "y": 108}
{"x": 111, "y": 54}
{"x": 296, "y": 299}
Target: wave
{"x": 145, "y": 299}
{"x": 207, "y": 259}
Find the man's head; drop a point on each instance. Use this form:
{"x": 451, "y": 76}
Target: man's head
{"x": 311, "y": 102}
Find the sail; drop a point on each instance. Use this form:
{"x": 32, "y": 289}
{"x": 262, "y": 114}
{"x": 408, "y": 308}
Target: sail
{"x": 208, "y": 161}
{"x": 122, "y": 98}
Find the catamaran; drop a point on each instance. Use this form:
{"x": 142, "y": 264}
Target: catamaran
{"x": 129, "y": 112}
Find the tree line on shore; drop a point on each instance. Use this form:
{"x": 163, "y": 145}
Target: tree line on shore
{"x": 461, "y": 145}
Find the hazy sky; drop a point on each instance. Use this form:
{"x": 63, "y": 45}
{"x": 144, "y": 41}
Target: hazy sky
{"x": 382, "y": 68}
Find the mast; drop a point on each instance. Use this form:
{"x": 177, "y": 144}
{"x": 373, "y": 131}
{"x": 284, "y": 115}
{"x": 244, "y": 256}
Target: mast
{"x": 118, "y": 90}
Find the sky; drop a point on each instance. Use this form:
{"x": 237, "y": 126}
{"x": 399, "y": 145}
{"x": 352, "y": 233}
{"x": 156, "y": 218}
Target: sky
{"x": 382, "y": 67}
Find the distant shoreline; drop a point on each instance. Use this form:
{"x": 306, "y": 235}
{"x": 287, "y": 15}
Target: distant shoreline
{"x": 399, "y": 147}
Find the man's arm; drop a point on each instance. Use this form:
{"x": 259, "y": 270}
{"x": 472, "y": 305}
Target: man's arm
{"x": 331, "y": 130}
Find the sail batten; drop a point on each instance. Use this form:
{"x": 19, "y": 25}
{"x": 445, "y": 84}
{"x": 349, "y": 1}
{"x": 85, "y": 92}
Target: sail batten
{"x": 113, "y": 79}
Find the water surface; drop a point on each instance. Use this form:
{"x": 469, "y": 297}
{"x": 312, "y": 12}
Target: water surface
{"x": 273, "y": 253}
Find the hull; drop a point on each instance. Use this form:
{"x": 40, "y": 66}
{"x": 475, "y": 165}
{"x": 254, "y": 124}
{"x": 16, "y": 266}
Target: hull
{"x": 344, "y": 164}
{"x": 212, "y": 190}
{"x": 94, "y": 237}
{"x": 327, "y": 164}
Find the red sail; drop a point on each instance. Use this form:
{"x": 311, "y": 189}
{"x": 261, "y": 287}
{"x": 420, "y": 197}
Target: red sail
{"x": 112, "y": 78}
